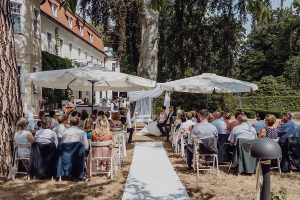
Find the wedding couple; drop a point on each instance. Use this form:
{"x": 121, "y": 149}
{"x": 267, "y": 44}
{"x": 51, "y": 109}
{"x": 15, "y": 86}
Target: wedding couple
{"x": 162, "y": 127}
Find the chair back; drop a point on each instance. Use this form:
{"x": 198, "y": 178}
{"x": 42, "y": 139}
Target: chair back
{"x": 101, "y": 144}
{"x": 43, "y": 160}
{"x": 71, "y": 160}
{"x": 242, "y": 160}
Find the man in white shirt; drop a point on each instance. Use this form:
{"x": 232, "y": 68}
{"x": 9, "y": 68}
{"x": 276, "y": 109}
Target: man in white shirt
{"x": 206, "y": 132}
{"x": 75, "y": 134}
{"x": 219, "y": 123}
{"x": 244, "y": 130}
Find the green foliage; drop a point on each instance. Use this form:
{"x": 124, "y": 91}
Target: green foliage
{"x": 292, "y": 71}
{"x": 281, "y": 196}
{"x": 280, "y": 103}
{"x": 251, "y": 112}
{"x": 270, "y": 48}
{"x": 269, "y": 85}
{"x": 53, "y": 62}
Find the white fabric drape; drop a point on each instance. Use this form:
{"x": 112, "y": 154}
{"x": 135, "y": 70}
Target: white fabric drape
{"x": 144, "y": 106}
{"x": 138, "y": 95}
{"x": 167, "y": 99}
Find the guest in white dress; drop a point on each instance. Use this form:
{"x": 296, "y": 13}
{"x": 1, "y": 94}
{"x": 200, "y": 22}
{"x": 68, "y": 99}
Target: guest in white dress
{"x": 162, "y": 119}
{"x": 23, "y": 138}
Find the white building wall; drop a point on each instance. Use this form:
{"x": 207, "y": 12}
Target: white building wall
{"x": 87, "y": 52}
{"x": 48, "y": 26}
{"x": 28, "y": 53}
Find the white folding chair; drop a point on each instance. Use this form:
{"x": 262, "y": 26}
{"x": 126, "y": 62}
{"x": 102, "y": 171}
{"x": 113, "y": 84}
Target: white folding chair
{"x": 200, "y": 159}
{"x": 93, "y": 159}
{"x": 23, "y": 159}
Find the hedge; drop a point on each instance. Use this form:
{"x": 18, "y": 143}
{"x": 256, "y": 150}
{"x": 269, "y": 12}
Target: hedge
{"x": 251, "y": 112}
{"x": 277, "y": 103}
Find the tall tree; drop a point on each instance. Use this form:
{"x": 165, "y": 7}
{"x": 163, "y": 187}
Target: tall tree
{"x": 10, "y": 99}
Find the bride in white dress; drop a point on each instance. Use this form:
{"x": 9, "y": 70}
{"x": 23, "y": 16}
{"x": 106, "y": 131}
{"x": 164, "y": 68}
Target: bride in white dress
{"x": 152, "y": 129}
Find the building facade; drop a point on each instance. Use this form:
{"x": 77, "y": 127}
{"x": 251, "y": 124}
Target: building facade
{"x": 43, "y": 25}
{"x": 67, "y": 35}
{"x": 26, "y": 20}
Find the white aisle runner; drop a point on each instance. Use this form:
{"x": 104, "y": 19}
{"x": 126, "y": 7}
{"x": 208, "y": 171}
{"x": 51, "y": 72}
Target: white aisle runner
{"x": 151, "y": 176}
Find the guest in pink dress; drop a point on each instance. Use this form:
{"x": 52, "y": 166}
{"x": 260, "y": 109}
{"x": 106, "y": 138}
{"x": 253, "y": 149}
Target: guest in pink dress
{"x": 100, "y": 134}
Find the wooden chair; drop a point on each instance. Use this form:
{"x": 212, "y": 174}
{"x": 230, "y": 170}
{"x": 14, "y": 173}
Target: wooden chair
{"x": 93, "y": 159}
{"x": 24, "y": 161}
{"x": 200, "y": 159}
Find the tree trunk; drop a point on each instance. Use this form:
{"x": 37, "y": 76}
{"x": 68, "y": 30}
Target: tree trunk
{"x": 10, "y": 100}
{"x": 148, "y": 60}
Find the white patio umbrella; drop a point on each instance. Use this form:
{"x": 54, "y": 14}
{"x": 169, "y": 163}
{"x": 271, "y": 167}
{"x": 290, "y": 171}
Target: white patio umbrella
{"x": 207, "y": 83}
{"x": 90, "y": 78}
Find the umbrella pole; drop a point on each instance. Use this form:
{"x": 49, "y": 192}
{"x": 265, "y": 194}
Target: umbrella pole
{"x": 93, "y": 92}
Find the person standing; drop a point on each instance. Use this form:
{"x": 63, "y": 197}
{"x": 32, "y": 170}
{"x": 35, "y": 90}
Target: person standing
{"x": 114, "y": 106}
{"x": 170, "y": 120}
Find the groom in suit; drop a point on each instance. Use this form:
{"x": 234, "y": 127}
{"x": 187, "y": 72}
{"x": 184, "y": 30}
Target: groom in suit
{"x": 170, "y": 120}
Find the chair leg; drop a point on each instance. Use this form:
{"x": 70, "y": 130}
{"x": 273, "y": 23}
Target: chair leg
{"x": 229, "y": 168}
{"x": 278, "y": 165}
{"x": 197, "y": 165}
{"x": 217, "y": 163}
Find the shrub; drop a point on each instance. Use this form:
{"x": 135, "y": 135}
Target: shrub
{"x": 251, "y": 112}
{"x": 277, "y": 103}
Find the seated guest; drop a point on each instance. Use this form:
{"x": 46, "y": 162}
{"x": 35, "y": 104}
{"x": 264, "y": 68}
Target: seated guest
{"x": 126, "y": 121}
{"x": 54, "y": 121}
{"x": 88, "y": 127}
{"x": 23, "y": 138}
{"x": 260, "y": 117}
{"x": 74, "y": 114}
{"x": 287, "y": 128}
{"x": 100, "y": 134}
{"x": 46, "y": 135}
{"x": 94, "y": 115}
{"x": 72, "y": 150}
{"x": 194, "y": 118}
{"x": 162, "y": 120}
{"x": 186, "y": 125}
{"x": 75, "y": 134}
{"x": 219, "y": 123}
{"x": 226, "y": 117}
{"x": 115, "y": 123}
{"x": 59, "y": 130}
{"x": 43, "y": 157}
{"x": 243, "y": 130}
{"x": 107, "y": 115}
{"x": 269, "y": 130}
{"x": 100, "y": 113}
{"x": 207, "y": 133}
{"x": 235, "y": 122}
{"x": 83, "y": 116}
{"x": 40, "y": 117}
